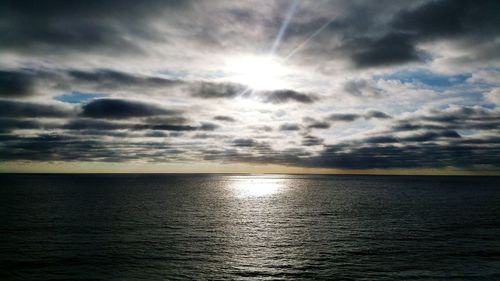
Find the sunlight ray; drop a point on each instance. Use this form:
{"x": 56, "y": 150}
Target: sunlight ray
{"x": 284, "y": 26}
{"x": 305, "y": 42}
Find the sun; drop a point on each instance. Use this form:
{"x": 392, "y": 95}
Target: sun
{"x": 257, "y": 72}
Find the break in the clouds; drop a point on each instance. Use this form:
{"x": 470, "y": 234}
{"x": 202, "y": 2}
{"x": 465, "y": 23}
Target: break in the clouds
{"x": 296, "y": 83}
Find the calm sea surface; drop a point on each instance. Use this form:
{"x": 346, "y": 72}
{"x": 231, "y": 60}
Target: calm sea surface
{"x": 212, "y": 227}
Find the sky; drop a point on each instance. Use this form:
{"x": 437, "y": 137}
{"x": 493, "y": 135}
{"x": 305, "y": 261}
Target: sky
{"x": 390, "y": 87}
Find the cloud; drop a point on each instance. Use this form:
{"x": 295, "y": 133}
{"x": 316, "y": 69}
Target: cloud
{"x": 108, "y": 79}
{"x": 391, "y": 84}
{"x": 16, "y": 84}
{"x": 172, "y": 119}
{"x": 224, "y": 118}
{"x": 289, "y": 127}
{"x": 117, "y": 109}
{"x": 283, "y": 96}
{"x": 76, "y": 27}
{"x": 244, "y": 142}
{"x": 419, "y": 137}
{"x": 391, "y": 156}
{"x": 363, "y": 89}
{"x": 227, "y": 90}
{"x": 387, "y": 50}
{"x": 10, "y": 108}
{"x": 350, "y": 117}
{"x": 376, "y": 115}
{"x": 493, "y": 96}
{"x": 318, "y": 125}
{"x": 206, "y": 126}
{"x": 344, "y": 117}
{"x": 170, "y": 127}
{"x": 216, "y": 90}
{"x": 472, "y": 21}
{"x": 9, "y": 124}
{"x": 48, "y": 147}
{"x": 485, "y": 76}
{"x": 92, "y": 124}
{"x": 438, "y": 147}
{"x": 449, "y": 18}
{"x": 309, "y": 140}
{"x": 465, "y": 118}
{"x": 102, "y": 125}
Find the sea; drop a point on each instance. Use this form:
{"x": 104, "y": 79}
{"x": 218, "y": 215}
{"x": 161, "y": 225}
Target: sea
{"x": 248, "y": 227}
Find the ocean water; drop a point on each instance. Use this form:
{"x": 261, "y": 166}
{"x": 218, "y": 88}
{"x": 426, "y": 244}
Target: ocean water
{"x": 238, "y": 227}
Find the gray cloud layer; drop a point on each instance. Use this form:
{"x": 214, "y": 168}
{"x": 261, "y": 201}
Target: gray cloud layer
{"x": 386, "y": 84}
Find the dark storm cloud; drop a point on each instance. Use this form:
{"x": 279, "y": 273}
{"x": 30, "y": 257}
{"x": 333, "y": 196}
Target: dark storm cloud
{"x": 431, "y": 136}
{"x": 59, "y": 26}
{"x": 318, "y": 125}
{"x": 434, "y": 147}
{"x": 156, "y": 134}
{"x": 208, "y": 90}
{"x": 16, "y": 84}
{"x": 10, "y": 108}
{"x": 387, "y": 50}
{"x": 177, "y": 119}
{"x": 376, "y": 115}
{"x": 115, "y": 108}
{"x": 466, "y": 118}
{"x": 473, "y": 21}
{"x": 433, "y": 155}
{"x": 93, "y": 124}
{"x": 345, "y": 117}
{"x": 311, "y": 123}
{"x": 350, "y": 117}
{"x": 283, "y": 96}
{"x": 167, "y": 127}
{"x": 207, "y": 126}
{"x": 9, "y": 124}
{"x": 419, "y": 137}
{"x": 112, "y": 79}
{"x": 309, "y": 140}
{"x": 459, "y": 153}
{"x": 105, "y": 125}
{"x": 450, "y": 18}
{"x": 430, "y": 140}
{"x": 224, "y": 118}
{"x": 244, "y": 142}
{"x": 289, "y": 127}
{"x": 48, "y": 147}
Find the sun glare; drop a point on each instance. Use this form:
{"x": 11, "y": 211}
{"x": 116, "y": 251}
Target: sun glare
{"x": 256, "y": 186}
{"x": 257, "y": 72}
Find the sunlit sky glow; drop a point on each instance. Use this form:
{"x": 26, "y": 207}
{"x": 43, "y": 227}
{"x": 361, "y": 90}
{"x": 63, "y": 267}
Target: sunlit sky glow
{"x": 257, "y": 72}
{"x": 250, "y": 86}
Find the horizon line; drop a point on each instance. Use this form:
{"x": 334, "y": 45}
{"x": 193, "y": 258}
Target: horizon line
{"x": 247, "y": 174}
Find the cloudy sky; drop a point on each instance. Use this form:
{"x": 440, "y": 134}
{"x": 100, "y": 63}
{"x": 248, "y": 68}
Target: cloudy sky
{"x": 250, "y": 86}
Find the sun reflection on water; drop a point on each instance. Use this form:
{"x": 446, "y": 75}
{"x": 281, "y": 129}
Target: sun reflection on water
{"x": 256, "y": 186}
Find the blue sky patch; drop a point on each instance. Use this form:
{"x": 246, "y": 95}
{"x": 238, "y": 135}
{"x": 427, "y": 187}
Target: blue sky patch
{"x": 78, "y": 97}
{"x": 426, "y": 77}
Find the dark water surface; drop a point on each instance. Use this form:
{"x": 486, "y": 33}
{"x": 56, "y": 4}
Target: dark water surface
{"x": 199, "y": 227}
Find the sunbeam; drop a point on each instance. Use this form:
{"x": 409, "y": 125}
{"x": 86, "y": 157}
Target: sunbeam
{"x": 305, "y": 42}
{"x": 284, "y": 26}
